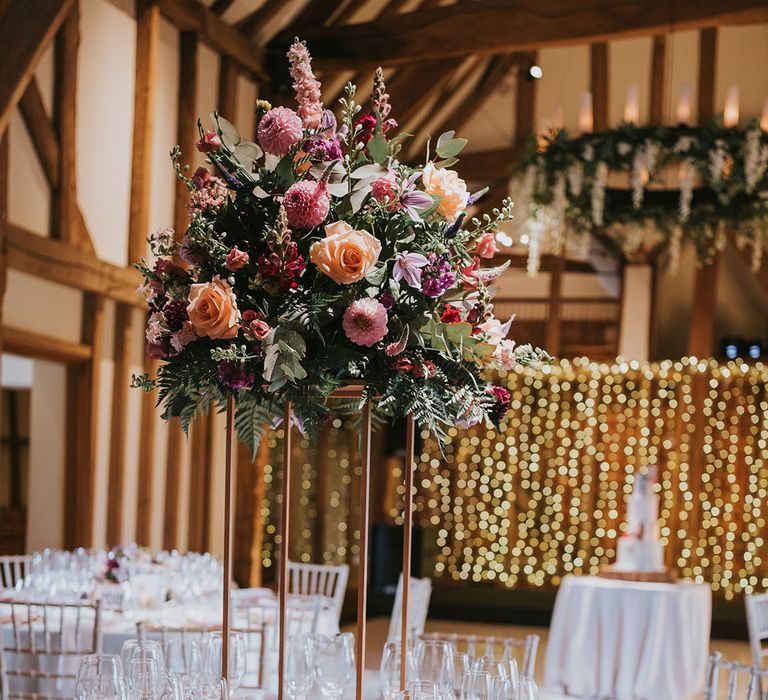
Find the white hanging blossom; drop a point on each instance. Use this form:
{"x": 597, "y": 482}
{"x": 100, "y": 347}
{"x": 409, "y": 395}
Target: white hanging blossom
{"x": 575, "y": 178}
{"x": 674, "y": 249}
{"x": 598, "y": 193}
{"x": 721, "y": 237}
{"x": 687, "y": 174}
{"x": 717, "y": 158}
{"x": 534, "y": 254}
{"x": 522, "y": 194}
{"x": 559, "y": 200}
{"x": 684, "y": 144}
{"x": 755, "y": 159}
{"x": 623, "y": 148}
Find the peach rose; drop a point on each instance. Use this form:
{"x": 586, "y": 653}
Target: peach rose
{"x": 212, "y": 309}
{"x": 446, "y": 184}
{"x": 345, "y": 254}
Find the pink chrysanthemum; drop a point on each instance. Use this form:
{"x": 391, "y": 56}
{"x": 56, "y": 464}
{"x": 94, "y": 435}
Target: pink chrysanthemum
{"x": 306, "y": 204}
{"x": 305, "y": 85}
{"x": 365, "y": 322}
{"x": 279, "y": 130}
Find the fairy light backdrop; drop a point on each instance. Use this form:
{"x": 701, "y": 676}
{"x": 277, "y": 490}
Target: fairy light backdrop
{"x": 546, "y": 495}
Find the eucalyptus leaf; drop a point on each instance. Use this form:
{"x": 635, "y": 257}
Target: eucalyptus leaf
{"x": 377, "y": 148}
{"x": 451, "y": 148}
{"x": 247, "y": 153}
{"x": 230, "y": 136}
{"x": 376, "y": 275}
{"x": 371, "y": 170}
{"x": 337, "y": 189}
{"x": 357, "y": 198}
{"x": 446, "y": 163}
{"x": 445, "y": 137}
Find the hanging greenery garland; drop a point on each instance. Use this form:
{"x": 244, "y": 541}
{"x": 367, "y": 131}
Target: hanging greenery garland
{"x": 694, "y": 183}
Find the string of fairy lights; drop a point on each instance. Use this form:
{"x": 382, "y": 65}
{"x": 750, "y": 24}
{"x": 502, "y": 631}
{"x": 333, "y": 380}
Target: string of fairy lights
{"x": 545, "y": 496}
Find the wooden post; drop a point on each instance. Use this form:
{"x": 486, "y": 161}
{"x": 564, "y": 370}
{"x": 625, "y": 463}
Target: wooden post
{"x": 658, "y": 79}
{"x": 707, "y": 71}
{"x": 553, "y": 318}
{"x": 410, "y": 446}
{"x": 598, "y": 81}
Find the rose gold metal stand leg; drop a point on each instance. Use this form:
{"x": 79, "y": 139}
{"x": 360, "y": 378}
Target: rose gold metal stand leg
{"x": 284, "y": 544}
{"x": 407, "y": 545}
{"x": 362, "y": 576}
{"x": 228, "y": 517}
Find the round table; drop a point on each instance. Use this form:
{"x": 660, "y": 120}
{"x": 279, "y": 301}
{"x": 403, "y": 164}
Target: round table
{"x": 628, "y": 640}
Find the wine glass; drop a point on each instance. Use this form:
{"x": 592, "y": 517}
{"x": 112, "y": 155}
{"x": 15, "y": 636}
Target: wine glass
{"x": 424, "y": 690}
{"x": 145, "y": 679}
{"x": 299, "y": 666}
{"x": 143, "y": 650}
{"x": 334, "y": 665}
{"x": 433, "y": 661}
{"x": 184, "y": 659}
{"x": 490, "y": 665}
{"x": 389, "y": 670}
{"x": 237, "y": 658}
{"x": 100, "y": 676}
{"x": 476, "y": 686}
{"x": 213, "y": 689}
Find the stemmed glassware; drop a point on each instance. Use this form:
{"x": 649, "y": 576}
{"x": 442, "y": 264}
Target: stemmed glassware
{"x": 476, "y": 686}
{"x": 334, "y": 664}
{"x": 184, "y": 660}
{"x": 299, "y": 666}
{"x": 461, "y": 666}
{"x": 527, "y": 689}
{"x": 100, "y": 677}
{"x": 237, "y": 658}
{"x": 145, "y": 679}
{"x": 389, "y": 670}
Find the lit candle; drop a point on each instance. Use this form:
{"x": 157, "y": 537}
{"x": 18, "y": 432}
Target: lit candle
{"x": 632, "y": 106}
{"x": 731, "y": 111}
{"x": 683, "y": 113}
{"x": 586, "y": 121}
{"x": 764, "y": 116}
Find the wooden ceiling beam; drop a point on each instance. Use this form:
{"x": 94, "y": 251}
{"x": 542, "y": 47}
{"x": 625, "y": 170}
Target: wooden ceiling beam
{"x": 489, "y": 165}
{"x": 44, "y": 138}
{"x": 60, "y": 262}
{"x": 493, "y": 26}
{"x": 191, "y": 16}
{"x": 252, "y": 23}
{"x": 26, "y": 31}
{"x": 221, "y": 6}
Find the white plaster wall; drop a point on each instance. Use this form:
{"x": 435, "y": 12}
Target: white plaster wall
{"x": 47, "y": 449}
{"x": 38, "y": 305}
{"x": 566, "y": 78}
{"x": 105, "y": 124}
{"x": 742, "y": 60}
{"x": 632, "y": 61}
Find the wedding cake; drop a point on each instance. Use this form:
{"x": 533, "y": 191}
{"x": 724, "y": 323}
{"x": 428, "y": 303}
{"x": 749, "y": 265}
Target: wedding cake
{"x": 640, "y": 549}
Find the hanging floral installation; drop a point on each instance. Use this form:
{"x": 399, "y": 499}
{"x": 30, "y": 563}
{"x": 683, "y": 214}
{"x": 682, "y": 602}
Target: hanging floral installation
{"x": 682, "y": 183}
{"x": 314, "y": 257}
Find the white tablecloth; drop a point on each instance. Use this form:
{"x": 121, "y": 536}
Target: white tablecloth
{"x": 628, "y": 641}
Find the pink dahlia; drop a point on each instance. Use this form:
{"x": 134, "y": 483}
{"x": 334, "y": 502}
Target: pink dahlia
{"x": 306, "y": 204}
{"x": 279, "y": 130}
{"x": 365, "y": 322}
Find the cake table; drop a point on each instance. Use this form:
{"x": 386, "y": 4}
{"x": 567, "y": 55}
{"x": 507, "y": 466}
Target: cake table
{"x": 628, "y": 640}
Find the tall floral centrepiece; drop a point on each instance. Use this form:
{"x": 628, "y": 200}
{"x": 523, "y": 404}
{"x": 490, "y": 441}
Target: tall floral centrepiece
{"x": 315, "y": 257}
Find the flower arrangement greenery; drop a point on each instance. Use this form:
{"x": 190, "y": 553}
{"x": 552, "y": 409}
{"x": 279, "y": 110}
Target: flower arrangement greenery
{"x": 314, "y": 257}
{"x": 718, "y": 174}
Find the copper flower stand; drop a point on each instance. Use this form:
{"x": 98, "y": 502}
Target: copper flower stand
{"x": 349, "y": 391}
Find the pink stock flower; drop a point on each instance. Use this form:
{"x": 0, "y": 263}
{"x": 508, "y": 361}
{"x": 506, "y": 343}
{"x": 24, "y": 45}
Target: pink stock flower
{"x": 184, "y": 337}
{"x": 306, "y": 204}
{"x": 209, "y": 142}
{"x": 279, "y": 130}
{"x": 365, "y": 322}
{"x": 485, "y": 246}
{"x": 408, "y": 267}
{"x": 236, "y": 259}
{"x": 255, "y": 325}
{"x": 305, "y": 85}
{"x": 504, "y": 355}
{"x": 203, "y": 178}
{"x": 384, "y": 191}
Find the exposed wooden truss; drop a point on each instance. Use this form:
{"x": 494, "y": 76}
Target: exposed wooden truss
{"x": 497, "y": 26}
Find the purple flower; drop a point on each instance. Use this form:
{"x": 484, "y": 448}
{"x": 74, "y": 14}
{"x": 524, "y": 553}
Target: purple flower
{"x": 191, "y": 253}
{"x": 235, "y": 375}
{"x": 455, "y": 227}
{"x": 322, "y": 149}
{"x": 408, "y": 266}
{"x": 175, "y": 312}
{"x": 438, "y": 277}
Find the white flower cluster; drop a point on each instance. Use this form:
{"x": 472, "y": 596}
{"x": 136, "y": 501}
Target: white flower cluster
{"x": 687, "y": 174}
{"x": 755, "y": 159}
{"x": 598, "y": 193}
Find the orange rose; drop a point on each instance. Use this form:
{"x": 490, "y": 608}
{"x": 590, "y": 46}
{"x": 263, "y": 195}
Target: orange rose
{"x": 212, "y": 309}
{"x": 446, "y": 184}
{"x": 345, "y": 254}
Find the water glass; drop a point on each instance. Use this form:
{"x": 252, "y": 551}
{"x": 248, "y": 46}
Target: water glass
{"x": 433, "y": 661}
{"x": 145, "y": 680}
{"x": 184, "y": 659}
{"x": 299, "y": 666}
{"x": 476, "y": 686}
{"x": 528, "y": 689}
{"x": 425, "y": 690}
{"x": 334, "y": 664}
{"x": 237, "y": 658}
{"x": 214, "y": 689}
{"x": 100, "y": 677}
{"x": 143, "y": 650}
{"x": 461, "y": 666}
